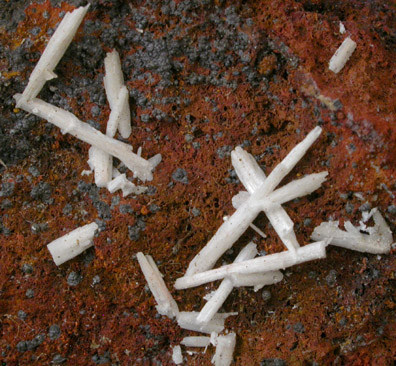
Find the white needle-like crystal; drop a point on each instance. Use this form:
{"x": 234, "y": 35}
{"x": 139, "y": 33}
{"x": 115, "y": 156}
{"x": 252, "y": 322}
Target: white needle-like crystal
{"x": 52, "y": 54}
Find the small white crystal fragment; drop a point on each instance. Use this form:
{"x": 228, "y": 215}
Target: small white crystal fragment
{"x": 225, "y": 345}
{"x": 342, "y": 28}
{"x": 378, "y": 239}
{"x": 342, "y": 55}
{"x": 86, "y": 172}
{"x": 72, "y": 244}
{"x": 177, "y": 356}
{"x": 52, "y": 54}
{"x": 67, "y": 121}
{"x": 127, "y": 187}
{"x": 166, "y": 305}
{"x": 102, "y": 164}
{"x": 200, "y": 341}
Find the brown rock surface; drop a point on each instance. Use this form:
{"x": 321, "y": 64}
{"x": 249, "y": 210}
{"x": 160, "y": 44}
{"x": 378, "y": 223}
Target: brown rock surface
{"x": 204, "y": 77}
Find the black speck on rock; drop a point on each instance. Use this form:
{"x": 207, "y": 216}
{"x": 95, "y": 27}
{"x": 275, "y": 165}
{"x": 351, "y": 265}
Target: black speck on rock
{"x": 180, "y": 175}
{"x": 103, "y": 209}
{"x": 22, "y": 315}
{"x": 22, "y": 346}
{"x": 58, "y": 359}
{"x": 392, "y": 209}
{"x": 41, "y": 192}
{"x": 224, "y": 151}
{"x": 27, "y": 268}
{"x": 273, "y": 362}
{"x": 125, "y": 209}
{"x": 365, "y": 207}
{"x": 11, "y": 13}
{"x": 134, "y": 231}
{"x": 7, "y": 189}
{"x": 331, "y": 278}
{"x": 36, "y": 341}
{"x": 74, "y": 279}
{"x": 54, "y": 332}
{"x": 101, "y": 360}
{"x": 299, "y": 328}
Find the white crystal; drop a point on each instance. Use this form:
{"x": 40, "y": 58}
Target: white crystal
{"x": 201, "y": 341}
{"x": 225, "y": 345}
{"x": 102, "y": 165}
{"x": 72, "y": 244}
{"x": 268, "y": 263}
{"x": 166, "y": 305}
{"x": 52, "y": 54}
{"x": 117, "y": 95}
{"x": 68, "y": 122}
{"x": 378, "y": 239}
{"x": 177, "y": 356}
{"x": 252, "y": 177}
{"x": 261, "y": 200}
{"x": 127, "y": 187}
{"x": 342, "y": 55}
{"x": 188, "y": 320}
{"x": 236, "y": 280}
{"x": 342, "y": 28}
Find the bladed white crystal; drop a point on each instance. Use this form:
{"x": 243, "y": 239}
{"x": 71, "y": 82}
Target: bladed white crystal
{"x": 166, "y": 305}
{"x": 69, "y": 123}
{"x": 177, "y": 356}
{"x": 342, "y": 55}
{"x": 188, "y": 320}
{"x": 52, "y": 54}
{"x": 236, "y": 280}
{"x": 200, "y": 341}
{"x": 117, "y": 95}
{"x": 272, "y": 262}
{"x": 72, "y": 244}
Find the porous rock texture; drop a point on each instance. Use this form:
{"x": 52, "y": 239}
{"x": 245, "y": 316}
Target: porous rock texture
{"x": 204, "y": 77}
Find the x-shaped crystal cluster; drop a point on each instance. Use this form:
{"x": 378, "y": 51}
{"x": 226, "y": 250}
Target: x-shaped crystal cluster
{"x": 248, "y": 269}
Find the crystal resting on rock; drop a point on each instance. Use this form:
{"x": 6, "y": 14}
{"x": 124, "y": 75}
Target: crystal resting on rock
{"x": 252, "y": 177}
{"x": 272, "y": 262}
{"x": 188, "y": 320}
{"x": 72, "y": 244}
{"x": 127, "y": 187}
{"x": 120, "y": 118}
{"x": 376, "y": 239}
{"x": 342, "y": 55}
{"x": 166, "y": 305}
{"x": 200, "y": 341}
{"x": 117, "y": 95}
{"x": 263, "y": 199}
{"x": 102, "y": 148}
{"x": 52, "y": 54}
{"x": 69, "y": 123}
{"x": 177, "y": 356}
{"x": 225, "y": 288}
{"x": 225, "y": 345}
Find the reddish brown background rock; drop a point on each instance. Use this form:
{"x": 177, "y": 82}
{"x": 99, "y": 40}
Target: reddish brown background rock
{"x": 204, "y": 77}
